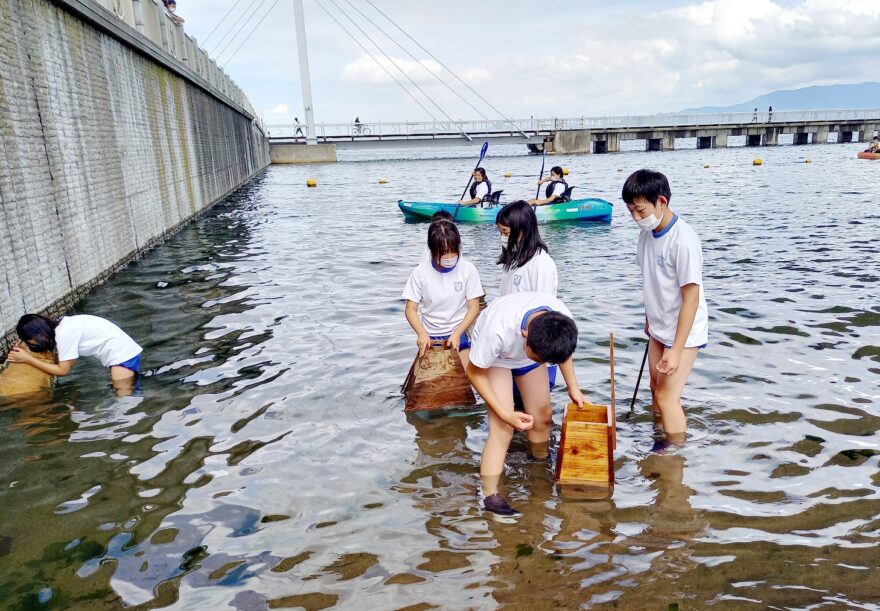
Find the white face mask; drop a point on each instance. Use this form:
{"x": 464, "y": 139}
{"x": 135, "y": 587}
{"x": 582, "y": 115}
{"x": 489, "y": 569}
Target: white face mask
{"x": 504, "y": 239}
{"x": 649, "y": 223}
{"x": 449, "y": 262}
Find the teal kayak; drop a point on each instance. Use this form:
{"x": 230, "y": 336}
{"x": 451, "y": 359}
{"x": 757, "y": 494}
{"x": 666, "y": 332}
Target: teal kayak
{"x": 592, "y": 209}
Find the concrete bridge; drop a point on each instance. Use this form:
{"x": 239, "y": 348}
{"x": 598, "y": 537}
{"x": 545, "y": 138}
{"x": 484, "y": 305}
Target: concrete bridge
{"x": 589, "y": 134}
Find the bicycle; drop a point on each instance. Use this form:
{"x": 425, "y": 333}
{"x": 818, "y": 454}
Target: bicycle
{"x": 359, "y": 129}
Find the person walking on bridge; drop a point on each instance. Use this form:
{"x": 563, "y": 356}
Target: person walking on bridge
{"x": 299, "y": 131}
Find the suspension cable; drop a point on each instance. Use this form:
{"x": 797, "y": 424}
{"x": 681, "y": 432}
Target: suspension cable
{"x": 432, "y": 56}
{"x": 375, "y": 59}
{"x": 250, "y": 15}
{"x": 414, "y": 58}
{"x": 229, "y": 12}
{"x": 254, "y": 29}
{"x": 409, "y": 78}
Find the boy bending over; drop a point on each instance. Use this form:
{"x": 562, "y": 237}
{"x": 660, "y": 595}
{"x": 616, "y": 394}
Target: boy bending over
{"x": 515, "y": 337}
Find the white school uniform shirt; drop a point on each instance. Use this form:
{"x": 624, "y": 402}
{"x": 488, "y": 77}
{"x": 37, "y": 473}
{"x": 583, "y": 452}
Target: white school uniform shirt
{"x": 538, "y": 275}
{"x": 558, "y": 189}
{"x": 443, "y": 297}
{"x": 86, "y": 335}
{"x": 669, "y": 260}
{"x": 498, "y": 340}
{"x": 482, "y": 189}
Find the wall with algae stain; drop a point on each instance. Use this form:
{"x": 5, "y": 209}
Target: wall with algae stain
{"x": 103, "y": 153}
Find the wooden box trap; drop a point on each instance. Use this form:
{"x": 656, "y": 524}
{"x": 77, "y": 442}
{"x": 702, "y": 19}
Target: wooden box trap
{"x": 437, "y": 380}
{"x": 587, "y": 442}
{"x": 22, "y": 378}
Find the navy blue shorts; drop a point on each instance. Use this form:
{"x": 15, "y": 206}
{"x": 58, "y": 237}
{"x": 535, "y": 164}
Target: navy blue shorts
{"x": 463, "y": 344}
{"x": 133, "y": 363}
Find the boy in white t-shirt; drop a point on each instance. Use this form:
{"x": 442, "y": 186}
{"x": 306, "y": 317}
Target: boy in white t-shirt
{"x": 75, "y": 336}
{"x": 514, "y": 339}
{"x": 443, "y": 292}
{"x": 670, "y": 256}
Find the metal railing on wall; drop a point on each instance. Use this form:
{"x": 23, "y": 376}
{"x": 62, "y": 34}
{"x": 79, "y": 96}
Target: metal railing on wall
{"x": 151, "y": 20}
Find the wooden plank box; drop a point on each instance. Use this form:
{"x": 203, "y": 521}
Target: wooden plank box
{"x": 437, "y": 380}
{"x": 586, "y": 446}
{"x": 22, "y": 378}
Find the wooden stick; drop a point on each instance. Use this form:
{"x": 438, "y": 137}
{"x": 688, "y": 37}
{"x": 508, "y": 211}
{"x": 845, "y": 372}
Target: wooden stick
{"x": 613, "y": 396}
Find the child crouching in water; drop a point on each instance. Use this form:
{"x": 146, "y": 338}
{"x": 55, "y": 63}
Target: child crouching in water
{"x": 670, "y": 256}
{"x": 443, "y": 292}
{"x": 75, "y": 336}
{"x": 514, "y": 339}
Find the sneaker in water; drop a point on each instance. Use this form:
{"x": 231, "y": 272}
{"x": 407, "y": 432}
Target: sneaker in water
{"x": 497, "y": 504}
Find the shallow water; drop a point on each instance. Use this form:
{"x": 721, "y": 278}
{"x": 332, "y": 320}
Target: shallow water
{"x": 269, "y": 462}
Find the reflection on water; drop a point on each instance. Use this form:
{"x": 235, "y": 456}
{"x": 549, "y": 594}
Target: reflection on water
{"x": 269, "y": 463}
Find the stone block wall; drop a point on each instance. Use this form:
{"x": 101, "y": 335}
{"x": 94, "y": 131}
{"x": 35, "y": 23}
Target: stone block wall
{"x": 103, "y": 152}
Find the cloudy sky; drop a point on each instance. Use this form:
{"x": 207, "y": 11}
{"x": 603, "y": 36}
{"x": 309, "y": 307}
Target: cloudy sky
{"x": 538, "y": 58}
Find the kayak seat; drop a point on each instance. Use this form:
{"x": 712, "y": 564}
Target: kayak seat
{"x": 494, "y": 199}
{"x": 566, "y": 196}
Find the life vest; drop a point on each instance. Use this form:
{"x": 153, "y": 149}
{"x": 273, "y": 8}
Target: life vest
{"x": 474, "y": 189}
{"x": 548, "y": 192}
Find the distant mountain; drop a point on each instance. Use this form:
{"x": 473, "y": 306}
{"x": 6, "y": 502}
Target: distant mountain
{"x": 819, "y": 97}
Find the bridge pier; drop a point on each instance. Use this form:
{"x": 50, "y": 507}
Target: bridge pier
{"x": 302, "y": 153}
{"x": 802, "y": 138}
{"x": 574, "y": 141}
{"x": 606, "y": 143}
{"x": 821, "y": 135}
{"x": 771, "y": 137}
{"x": 705, "y": 142}
{"x": 867, "y": 132}
{"x": 844, "y": 137}
{"x": 753, "y": 140}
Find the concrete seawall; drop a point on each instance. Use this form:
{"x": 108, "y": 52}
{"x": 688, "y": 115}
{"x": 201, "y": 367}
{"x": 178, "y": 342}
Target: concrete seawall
{"x": 106, "y": 147}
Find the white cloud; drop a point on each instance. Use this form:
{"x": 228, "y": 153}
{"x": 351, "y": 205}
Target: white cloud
{"x": 633, "y": 57}
{"x": 280, "y": 109}
{"x": 366, "y": 71}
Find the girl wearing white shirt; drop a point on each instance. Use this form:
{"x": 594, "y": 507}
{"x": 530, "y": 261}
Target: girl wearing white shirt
{"x": 525, "y": 259}
{"x": 75, "y": 336}
{"x": 526, "y": 263}
{"x": 480, "y": 189}
{"x": 443, "y": 293}
{"x": 554, "y": 191}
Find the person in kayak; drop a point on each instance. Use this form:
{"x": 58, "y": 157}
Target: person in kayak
{"x": 519, "y": 332}
{"x": 480, "y": 189}
{"x": 554, "y": 190}
{"x": 874, "y": 147}
{"x": 443, "y": 293}
{"x": 75, "y": 336}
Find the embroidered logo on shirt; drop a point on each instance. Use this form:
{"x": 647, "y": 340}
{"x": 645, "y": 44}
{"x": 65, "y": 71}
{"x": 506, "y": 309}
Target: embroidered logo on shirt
{"x": 459, "y": 286}
{"x": 661, "y": 261}
{"x": 517, "y": 279}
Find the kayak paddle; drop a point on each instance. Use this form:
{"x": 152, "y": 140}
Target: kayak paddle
{"x": 543, "y": 159}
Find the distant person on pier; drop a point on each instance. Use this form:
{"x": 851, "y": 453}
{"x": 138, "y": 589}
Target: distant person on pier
{"x": 299, "y": 131}
{"x": 480, "y": 189}
{"x": 171, "y": 7}
{"x": 553, "y": 192}
{"x": 357, "y": 125}
{"x": 770, "y": 115}
{"x": 75, "y": 336}
{"x": 755, "y": 116}
{"x": 874, "y": 147}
